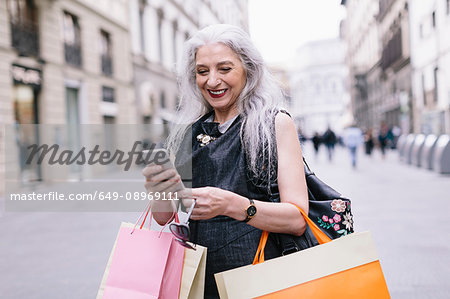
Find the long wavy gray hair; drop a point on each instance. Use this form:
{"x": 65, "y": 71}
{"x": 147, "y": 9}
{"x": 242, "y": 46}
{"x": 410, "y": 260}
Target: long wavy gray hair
{"x": 258, "y": 103}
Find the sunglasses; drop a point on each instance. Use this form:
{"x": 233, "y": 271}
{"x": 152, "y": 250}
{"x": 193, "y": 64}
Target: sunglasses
{"x": 181, "y": 231}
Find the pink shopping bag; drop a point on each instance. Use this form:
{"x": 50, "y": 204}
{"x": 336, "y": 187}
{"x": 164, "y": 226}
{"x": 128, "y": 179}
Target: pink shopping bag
{"x": 144, "y": 264}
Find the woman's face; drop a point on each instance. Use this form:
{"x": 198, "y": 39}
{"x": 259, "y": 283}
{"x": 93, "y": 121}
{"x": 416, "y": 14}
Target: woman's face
{"x": 220, "y": 76}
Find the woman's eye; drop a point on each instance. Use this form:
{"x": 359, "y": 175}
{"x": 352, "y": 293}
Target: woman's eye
{"x": 201, "y": 72}
{"x": 226, "y": 69}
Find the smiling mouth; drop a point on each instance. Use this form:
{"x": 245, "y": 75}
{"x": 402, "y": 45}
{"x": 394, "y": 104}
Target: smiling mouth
{"x": 217, "y": 93}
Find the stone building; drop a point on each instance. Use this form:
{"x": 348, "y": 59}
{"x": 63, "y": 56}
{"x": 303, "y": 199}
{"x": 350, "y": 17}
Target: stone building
{"x": 396, "y": 105}
{"x": 158, "y": 31}
{"x": 398, "y": 57}
{"x": 318, "y": 87}
{"x": 99, "y": 63}
{"x": 360, "y": 32}
{"x": 377, "y": 33}
{"x": 62, "y": 62}
{"x": 430, "y": 60}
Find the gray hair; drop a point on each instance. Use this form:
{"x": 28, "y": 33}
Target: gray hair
{"x": 258, "y": 103}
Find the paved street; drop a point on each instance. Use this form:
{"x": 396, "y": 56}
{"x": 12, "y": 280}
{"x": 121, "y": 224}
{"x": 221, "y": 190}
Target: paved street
{"x": 406, "y": 209}
{"x": 63, "y": 255}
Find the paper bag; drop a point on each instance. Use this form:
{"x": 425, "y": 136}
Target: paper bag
{"x": 347, "y": 267}
{"x": 193, "y": 277}
{"x": 143, "y": 265}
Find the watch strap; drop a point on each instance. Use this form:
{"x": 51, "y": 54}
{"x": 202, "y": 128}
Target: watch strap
{"x": 248, "y": 217}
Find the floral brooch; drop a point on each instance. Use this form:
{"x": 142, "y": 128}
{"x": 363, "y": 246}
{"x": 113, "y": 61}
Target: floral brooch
{"x": 205, "y": 139}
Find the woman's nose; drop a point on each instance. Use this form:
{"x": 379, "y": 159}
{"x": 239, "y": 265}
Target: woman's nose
{"x": 213, "y": 80}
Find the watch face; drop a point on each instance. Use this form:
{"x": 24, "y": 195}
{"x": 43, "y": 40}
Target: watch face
{"x": 251, "y": 211}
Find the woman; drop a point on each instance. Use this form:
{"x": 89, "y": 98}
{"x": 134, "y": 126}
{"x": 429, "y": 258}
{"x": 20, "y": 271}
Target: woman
{"x": 240, "y": 146}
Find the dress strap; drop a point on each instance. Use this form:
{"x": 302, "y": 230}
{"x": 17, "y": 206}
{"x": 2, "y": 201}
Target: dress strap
{"x": 285, "y": 112}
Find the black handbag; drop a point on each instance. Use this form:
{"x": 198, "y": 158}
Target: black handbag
{"x": 327, "y": 208}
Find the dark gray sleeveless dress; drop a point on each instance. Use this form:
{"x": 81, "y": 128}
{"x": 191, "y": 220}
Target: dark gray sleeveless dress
{"x": 222, "y": 164}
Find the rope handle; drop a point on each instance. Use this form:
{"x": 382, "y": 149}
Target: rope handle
{"x": 146, "y": 212}
{"x": 321, "y": 237}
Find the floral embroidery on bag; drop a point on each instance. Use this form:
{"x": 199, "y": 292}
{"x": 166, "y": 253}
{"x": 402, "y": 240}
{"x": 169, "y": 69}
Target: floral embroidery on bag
{"x": 348, "y": 221}
{"x": 337, "y": 218}
{"x": 341, "y": 222}
{"x": 338, "y": 205}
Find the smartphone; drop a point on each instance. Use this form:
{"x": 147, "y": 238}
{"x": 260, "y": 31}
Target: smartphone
{"x": 160, "y": 156}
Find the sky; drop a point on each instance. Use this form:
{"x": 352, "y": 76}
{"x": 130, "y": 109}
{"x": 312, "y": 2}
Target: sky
{"x": 279, "y": 27}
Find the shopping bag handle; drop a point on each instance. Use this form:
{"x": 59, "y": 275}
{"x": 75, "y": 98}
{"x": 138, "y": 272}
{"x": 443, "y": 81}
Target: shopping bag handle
{"x": 318, "y": 233}
{"x": 147, "y": 211}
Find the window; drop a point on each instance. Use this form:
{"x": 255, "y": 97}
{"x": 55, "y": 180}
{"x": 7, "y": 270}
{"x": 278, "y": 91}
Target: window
{"x": 24, "y": 28}
{"x": 433, "y": 19}
{"x": 108, "y": 94}
{"x": 163, "y": 100}
{"x": 105, "y": 53}
{"x": 175, "y": 29}
{"x": 435, "y": 78}
{"x": 177, "y": 102}
{"x": 160, "y": 39}
{"x": 424, "y": 93}
{"x": 72, "y": 40}
{"x": 448, "y": 7}
{"x": 141, "y": 25}
{"x": 71, "y": 29}
{"x": 22, "y": 11}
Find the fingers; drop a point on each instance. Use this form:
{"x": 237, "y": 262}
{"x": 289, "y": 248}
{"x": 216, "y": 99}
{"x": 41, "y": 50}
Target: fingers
{"x": 186, "y": 196}
{"x": 152, "y": 169}
{"x": 169, "y": 174}
{"x": 160, "y": 181}
{"x": 203, "y": 192}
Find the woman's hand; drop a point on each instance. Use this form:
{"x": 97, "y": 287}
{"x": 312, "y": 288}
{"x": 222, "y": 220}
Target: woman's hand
{"x": 211, "y": 202}
{"x": 159, "y": 180}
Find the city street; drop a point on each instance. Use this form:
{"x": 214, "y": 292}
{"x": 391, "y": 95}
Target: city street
{"x": 401, "y": 205}
{"x": 63, "y": 255}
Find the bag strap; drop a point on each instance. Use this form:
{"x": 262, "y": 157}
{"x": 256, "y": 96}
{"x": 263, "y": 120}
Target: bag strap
{"x": 308, "y": 170}
{"x": 146, "y": 212}
{"x": 321, "y": 237}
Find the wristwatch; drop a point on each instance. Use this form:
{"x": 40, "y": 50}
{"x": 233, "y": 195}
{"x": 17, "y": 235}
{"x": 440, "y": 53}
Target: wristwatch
{"x": 250, "y": 212}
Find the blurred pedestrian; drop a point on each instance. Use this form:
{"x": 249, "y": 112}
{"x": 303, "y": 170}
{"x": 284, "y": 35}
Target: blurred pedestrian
{"x": 353, "y": 137}
{"x": 396, "y": 132}
{"x": 316, "y": 140}
{"x": 384, "y": 139}
{"x": 329, "y": 139}
{"x": 302, "y": 138}
{"x": 369, "y": 141}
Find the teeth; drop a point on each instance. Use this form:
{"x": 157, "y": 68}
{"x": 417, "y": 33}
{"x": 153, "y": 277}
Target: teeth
{"x": 217, "y": 92}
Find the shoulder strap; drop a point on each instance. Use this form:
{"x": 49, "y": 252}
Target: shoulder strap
{"x": 285, "y": 112}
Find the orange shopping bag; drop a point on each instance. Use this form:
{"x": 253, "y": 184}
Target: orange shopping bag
{"x": 347, "y": 267}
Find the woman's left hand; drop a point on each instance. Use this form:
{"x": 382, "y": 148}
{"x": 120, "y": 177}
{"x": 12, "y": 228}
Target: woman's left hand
{"x": 210, "y": 202}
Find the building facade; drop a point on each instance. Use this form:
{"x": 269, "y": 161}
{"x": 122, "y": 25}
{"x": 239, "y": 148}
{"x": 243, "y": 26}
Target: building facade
{"x": 403, "y": 81}
{"x": 377, "y": 34}
{"x": 62, "y": 62}
{"x": 90, "y": 66}
{"x": 430, "y": 60}
{"x": 396, "y": 105}
{"x": 158, "y": 31}
{"x": 318, "y": 87}
{"x": 360, "y": 32}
